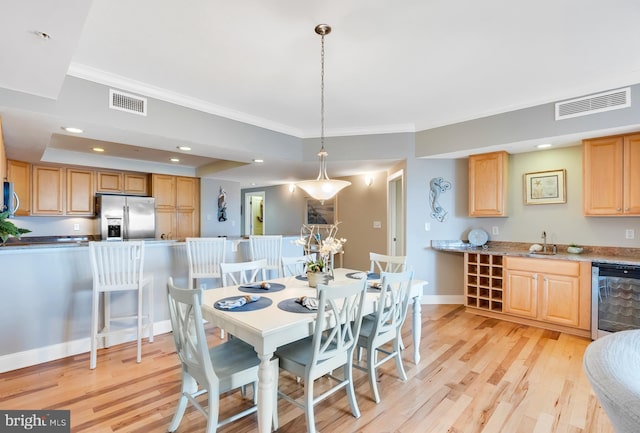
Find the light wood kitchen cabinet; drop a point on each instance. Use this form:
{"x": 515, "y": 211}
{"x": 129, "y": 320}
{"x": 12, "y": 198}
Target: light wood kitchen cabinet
{"x": 164, "y": 190}
{"x": 555, "y": 292}
{"x": 19, "y": 173}
{"x": 114, "y": 182}
{"x": 488, "y": 178}
{"x": 611, "y": 180}
{"x": 80, "y": 192}
{"x": 177, "y": 206}
{"x": 48, "y": 190}
{"x": 165, "y": 224}
{"x": 186, "y": 192}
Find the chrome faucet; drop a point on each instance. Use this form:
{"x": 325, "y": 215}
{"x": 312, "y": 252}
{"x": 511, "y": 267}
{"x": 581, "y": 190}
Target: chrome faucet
{"x": 544, "y": 238}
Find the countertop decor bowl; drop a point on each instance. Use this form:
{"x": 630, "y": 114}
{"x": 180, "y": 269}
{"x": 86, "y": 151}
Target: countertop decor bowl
{"x": 575, "y": 250}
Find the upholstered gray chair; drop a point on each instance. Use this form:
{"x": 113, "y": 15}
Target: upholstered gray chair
{"x": 612, "y": 365}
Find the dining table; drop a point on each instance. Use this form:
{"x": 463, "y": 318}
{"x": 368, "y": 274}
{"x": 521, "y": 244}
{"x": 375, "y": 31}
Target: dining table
{"x": 275, "y": 319}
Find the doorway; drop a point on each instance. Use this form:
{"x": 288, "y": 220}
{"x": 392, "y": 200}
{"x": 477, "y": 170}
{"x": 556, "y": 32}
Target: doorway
{"x": 395, "y": 209}
{"x": 254, "y": 217}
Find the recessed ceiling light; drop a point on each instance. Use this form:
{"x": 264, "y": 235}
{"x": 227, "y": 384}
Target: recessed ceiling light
{"x": 185, "y": 148}
{"x": 98, "y": 149}
{"x": 72, "y": 129}
{"x": 258, "y": 160}
{"x": 175, "y": 160}
{"x": 543, "y": 146}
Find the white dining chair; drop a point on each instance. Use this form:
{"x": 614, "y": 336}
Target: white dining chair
{"x": 295, "y": 265}
{"x": 385, "y": 327}
{"x": 217, "y": 370}
{"x": 204, "y": 256}
{"x": 386, "y": 263}
{"x": 267, "y": 247}
{"x": 243, "y": 272}
{"x": 329, "y": 348}
{"x": 118, "y": 267}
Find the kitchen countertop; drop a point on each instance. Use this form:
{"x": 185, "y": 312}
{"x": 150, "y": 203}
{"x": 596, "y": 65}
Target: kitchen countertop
{"x": 629, "y": 256}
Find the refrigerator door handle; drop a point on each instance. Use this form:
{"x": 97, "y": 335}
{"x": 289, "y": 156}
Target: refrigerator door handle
{"x": 125, "y": 233}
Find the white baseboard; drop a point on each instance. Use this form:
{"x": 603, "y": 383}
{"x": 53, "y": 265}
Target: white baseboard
{"x": 442, "y": 299}
{"x": 13, "y": 361}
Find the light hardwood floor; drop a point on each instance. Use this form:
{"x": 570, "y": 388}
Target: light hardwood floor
{"x": 476, "y": 375}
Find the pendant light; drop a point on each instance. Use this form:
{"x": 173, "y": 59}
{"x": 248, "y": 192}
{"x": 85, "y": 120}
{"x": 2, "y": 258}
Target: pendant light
{"x": 322, "y": 188}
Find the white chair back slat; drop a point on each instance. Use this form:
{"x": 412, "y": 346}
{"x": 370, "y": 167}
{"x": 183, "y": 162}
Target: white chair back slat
{"x": 267, "y": 247}
{"x": 295, "y": 265}
{"x": 117, "y": 265}
{"x": 385, "y": 263}
{"x": 204, "y": 256}
{"x": 243, "y": 272}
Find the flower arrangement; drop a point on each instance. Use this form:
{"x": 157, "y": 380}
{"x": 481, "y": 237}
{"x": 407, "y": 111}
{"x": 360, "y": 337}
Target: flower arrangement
{"x": 311, "y": 239}
{"x": 327, "y": 247}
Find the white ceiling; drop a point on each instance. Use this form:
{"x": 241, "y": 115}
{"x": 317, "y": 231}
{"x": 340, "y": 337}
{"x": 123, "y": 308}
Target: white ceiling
{"x": 391, "y": 66}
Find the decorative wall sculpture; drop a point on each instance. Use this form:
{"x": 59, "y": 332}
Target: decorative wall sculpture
{"x": 222, "y": 205}
{"x": 437, "y": 186}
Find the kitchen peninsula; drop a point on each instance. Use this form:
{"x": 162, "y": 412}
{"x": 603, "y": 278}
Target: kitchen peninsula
{"x": 47, "y": 295}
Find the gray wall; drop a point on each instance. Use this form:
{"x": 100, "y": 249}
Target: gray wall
{"x": 209, "y": 224}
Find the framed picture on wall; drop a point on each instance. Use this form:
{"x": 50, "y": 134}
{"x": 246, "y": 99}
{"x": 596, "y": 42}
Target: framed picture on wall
{"x": 320, "y": 213}
{"x": 545, "y": 187}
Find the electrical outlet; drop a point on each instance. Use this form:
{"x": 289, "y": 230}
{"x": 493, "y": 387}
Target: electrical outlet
{"x": 630, "y": 234}
{"x": 495, "y": 230}
{"x": 427, "y": 227}
{"x": 76, "y": 227}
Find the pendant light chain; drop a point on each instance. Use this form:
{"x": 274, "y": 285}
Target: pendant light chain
{"x": 322, "y": 93}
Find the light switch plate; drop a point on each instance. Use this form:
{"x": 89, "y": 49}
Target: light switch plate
{"x": 495, "y": 230}
{"x": 76, "y": 227}
{"x": 630, "y": 234}
{"x": 377, "y": 224}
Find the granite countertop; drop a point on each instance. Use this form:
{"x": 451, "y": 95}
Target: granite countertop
{"x": 630, "y": 256}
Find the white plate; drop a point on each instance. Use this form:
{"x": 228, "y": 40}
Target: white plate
{"x": 478, "y": 237}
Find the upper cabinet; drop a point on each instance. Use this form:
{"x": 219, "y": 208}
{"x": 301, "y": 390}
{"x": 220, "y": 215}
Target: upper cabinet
{"x": 19, "y": 173}
{"x": 488, "y": 175}
{"x": 80, "y": 192}
{"x": 177, "y": 206}
{"x": 114, "y": 182}
{"x": 611, "y": 187}
{"x": 48, "y": 190}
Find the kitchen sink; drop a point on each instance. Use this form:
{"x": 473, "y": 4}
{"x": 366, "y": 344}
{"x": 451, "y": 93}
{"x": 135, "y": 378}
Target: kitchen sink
{"x": 543, "y": 253}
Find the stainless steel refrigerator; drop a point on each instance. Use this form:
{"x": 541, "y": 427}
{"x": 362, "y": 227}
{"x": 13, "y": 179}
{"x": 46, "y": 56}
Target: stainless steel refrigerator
{"x": 126, "y": 217}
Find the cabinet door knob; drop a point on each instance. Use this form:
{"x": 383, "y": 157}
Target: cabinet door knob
{"x": 618, "y": 209}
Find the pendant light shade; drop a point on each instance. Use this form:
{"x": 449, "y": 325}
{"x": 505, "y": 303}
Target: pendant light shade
{"x": 322, "y": 188}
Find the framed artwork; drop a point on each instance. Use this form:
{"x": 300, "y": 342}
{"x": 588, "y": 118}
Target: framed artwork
{"x": 320, "y": 213}
{"x": 545, "y": 187}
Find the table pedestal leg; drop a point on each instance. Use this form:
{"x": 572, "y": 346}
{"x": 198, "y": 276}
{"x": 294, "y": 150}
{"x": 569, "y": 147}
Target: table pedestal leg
{"x": 417, "y": 328}
{"x": 266, "y": 383}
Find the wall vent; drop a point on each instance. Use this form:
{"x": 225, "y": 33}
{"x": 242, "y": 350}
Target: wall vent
{"x": 607, "y": 101}
{"x": 127, "y": 102}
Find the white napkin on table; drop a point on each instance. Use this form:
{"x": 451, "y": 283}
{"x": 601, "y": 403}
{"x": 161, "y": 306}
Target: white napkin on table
{"x": 359, "y": 275}
{"x": 263, "y": 285}
{"x": 308, "y": 302}
{"x": 235, "y": 303}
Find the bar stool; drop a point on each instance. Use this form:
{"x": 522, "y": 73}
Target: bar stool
{"x": 117, "y": 267}
{"x": 267, "y": 247}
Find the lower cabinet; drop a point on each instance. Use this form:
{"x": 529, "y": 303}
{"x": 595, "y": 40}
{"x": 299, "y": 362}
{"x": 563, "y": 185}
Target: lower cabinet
{"x": 549, "y": 290}
{"x": 549, "y": 293}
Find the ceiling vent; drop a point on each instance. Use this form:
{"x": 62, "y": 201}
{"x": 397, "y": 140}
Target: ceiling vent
{"x": 127, "y": 102}
{"x": 607, "y": 101}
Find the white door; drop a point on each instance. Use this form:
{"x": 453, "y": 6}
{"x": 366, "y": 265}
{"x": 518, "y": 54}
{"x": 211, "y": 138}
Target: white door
{"x": 254, "y": 221}
{"x": 395, "y": 209}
